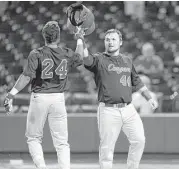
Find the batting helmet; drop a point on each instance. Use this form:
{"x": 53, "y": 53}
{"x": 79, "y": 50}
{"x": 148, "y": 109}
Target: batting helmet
{"x": 80, "y": 16}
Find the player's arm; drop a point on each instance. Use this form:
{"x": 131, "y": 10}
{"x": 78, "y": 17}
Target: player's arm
{"x": 28, "y": 73}
{"x": 145, "y": 93}
{"x": 141, "y": 88}
{"x": 81, "y": 49}
{"x": 79, "y": 35}
{"x": 77, "y": 56}
{"x": 21, "y": 82}
{"x": 138, "y": 85}
{"x": 88, "y": 59}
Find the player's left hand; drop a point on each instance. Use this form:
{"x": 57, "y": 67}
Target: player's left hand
{"x": 153, "y": 104}
{"x": 8, "y": 103}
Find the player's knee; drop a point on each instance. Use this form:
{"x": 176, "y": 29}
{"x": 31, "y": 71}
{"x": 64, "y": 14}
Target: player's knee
{"x": 62, "y": 147}
{"x": 61, "y": 144}
{"x": 34, "y": 139}
{"x": 141, "y": 141}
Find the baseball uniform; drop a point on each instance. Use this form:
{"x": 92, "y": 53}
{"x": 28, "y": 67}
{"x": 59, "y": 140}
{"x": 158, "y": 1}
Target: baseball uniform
{"x": 116, "y": 79}
{"x": 48, "y": 69}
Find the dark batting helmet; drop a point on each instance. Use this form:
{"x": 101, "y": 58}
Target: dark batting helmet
{"x": 80, "y": 16}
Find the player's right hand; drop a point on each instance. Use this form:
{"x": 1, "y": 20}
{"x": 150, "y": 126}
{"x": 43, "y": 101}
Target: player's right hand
{"x": 79, "y": 34}
{"x": 153, "y": 104}
{"x": 8, "y": 103}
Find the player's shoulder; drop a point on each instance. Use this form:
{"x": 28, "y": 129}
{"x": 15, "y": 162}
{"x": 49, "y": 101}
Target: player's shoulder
{"x": 126, "y": 58}
{"x": 36, "y": 52}
{"x": 98, "y": 55}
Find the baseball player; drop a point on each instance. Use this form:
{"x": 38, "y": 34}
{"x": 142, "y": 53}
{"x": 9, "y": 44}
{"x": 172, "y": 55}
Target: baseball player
{"x": 48, "y": 69}
{"x": 115, "y": 77}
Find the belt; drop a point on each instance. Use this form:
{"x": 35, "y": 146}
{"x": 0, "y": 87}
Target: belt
{"x": 118, "y": 105}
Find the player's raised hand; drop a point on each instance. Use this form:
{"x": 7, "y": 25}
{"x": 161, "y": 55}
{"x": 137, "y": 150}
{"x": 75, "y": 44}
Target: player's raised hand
{"x": 79, "y": 33}
{"x": 8, "y": 103}
{"x": 153, "y": 104}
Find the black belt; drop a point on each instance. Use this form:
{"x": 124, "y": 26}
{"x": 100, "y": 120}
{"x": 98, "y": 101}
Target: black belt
{"x": 118, "y": 105}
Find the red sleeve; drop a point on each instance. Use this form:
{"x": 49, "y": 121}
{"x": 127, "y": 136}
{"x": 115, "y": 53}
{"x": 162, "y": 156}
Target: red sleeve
{"x": 136, "y": 81}
{"x": 32, "y": 64}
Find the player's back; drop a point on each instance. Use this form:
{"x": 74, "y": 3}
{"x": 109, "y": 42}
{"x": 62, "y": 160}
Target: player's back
{"x": 52, "y": 69}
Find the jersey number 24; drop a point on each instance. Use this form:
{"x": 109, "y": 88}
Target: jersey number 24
{"x": 60, "y": 71}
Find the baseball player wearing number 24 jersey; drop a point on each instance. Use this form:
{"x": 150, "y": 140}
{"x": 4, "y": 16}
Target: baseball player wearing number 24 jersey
{"x": 47, "y": 68}
{"x": 115, "y": 77}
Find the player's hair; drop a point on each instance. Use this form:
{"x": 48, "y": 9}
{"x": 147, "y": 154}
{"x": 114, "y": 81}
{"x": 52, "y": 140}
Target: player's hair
{"x": 51, "y": 32}
{"x": 114, "y": 31}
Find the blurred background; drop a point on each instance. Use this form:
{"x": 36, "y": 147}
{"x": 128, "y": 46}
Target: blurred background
{"x": 150, "y": 36}
{"x": 150, "y": 32}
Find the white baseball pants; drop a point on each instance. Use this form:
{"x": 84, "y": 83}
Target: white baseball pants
{"x": 110, "y": 122}
{"x": 51, "y": 106}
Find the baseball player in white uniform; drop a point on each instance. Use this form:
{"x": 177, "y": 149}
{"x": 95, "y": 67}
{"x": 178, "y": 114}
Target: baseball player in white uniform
{"x": 47, "y": 69}
{"x": 115, "y": 77}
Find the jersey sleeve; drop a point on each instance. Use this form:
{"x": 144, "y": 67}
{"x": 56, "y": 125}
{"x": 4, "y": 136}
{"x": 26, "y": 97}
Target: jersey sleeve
{"x": 135, "y": 79}
{"x": 76, "y": 59}
{"x": 31, "y": 65}
{"x": 94, "y": 65}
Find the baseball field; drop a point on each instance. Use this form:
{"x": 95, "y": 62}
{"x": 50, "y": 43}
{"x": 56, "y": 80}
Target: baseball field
{"x": 90, "y": 161}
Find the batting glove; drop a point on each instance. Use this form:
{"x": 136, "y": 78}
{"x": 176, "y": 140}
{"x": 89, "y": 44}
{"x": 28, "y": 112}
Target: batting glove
{"x": 8, "y": 103}
{"x": 153, "y": 104}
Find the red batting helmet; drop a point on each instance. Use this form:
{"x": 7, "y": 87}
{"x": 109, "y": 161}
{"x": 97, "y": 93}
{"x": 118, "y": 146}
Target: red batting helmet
{"x": 80, "y": 15}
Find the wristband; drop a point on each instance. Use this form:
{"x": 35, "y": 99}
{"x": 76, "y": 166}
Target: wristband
{"x": 79, "y": 42}
{"x": 146, "y": 94}
{"x": 144, "y": 88}
{"x": 14, "y": 91}
{"x": 10, "y": 96}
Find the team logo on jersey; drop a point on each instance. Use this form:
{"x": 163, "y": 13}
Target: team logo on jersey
{"x": 118, "y": 70}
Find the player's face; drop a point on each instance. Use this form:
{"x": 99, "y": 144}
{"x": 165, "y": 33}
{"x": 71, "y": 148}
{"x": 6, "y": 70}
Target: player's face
{"x": 112, "y": 42}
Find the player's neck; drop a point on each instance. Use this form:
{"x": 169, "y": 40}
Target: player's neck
{"x": 114, "y": 54}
